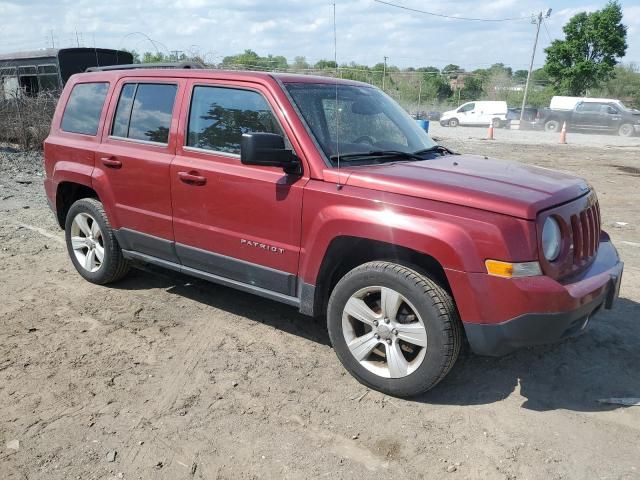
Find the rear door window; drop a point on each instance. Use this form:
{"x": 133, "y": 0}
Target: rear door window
{"x": 589, "y": 107}
{"x": 83, "y": 109}
{"x": 219, "y": 116}
{"x": 144, "y": 112}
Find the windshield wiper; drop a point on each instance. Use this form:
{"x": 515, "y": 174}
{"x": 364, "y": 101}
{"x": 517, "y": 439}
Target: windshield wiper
{"x": 436, "y": 148}
{"x": 378, "y": 154}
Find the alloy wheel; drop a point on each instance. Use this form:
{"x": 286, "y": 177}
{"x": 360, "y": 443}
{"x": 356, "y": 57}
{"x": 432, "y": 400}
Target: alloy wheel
{"x": 384, "y": 332}
{"x": 87, "y": 242}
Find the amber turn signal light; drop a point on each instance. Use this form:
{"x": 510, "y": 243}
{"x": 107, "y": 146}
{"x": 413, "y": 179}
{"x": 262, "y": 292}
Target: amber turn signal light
{"x": 511, "y": 270}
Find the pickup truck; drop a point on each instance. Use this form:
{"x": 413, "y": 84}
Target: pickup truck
{"x": 609, "y": 117}
{"x": 325, "y": 195}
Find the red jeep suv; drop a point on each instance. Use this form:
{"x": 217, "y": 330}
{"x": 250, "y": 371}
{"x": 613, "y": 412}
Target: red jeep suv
{"x": 325, "y": 195}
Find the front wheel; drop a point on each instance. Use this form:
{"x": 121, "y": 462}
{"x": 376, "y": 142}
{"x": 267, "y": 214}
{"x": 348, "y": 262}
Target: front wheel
{"x": 625, "y": 130}
{"x": 552, "y": 126}
{"x": 454, "y": 122}
{"x": 92, "y": 245}
{"x": 394, "y": 329}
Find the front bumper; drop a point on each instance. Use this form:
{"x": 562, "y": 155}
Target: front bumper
{"x": 501, "y": 315}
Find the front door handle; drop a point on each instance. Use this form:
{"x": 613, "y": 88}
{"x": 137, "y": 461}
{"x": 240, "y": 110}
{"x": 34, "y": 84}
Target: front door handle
{"x": 192, "y": 178}
{"x": 111, "y": 162}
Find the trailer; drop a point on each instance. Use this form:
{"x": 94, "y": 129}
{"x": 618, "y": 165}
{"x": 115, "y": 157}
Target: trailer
{"x": 47, "y": 70}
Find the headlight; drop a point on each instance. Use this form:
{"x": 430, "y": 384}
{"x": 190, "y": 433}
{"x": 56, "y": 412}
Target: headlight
{"x": 551, "y": 239}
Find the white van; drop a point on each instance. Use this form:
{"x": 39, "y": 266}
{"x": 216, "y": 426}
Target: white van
{"x": 476, "y": 113}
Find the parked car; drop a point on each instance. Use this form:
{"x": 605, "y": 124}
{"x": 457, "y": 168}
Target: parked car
{"x": 325, "y": 195}
{"x": 476, "y": 113}
{"x": 611, "y": 117}
{"x": 432, "y": 115}
{"x": 529, "y": 118}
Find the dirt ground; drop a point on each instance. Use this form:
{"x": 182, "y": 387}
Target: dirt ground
{"x": 183, "y": 379}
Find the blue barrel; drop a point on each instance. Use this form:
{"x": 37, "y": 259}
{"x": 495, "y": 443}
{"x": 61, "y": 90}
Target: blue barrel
{"x": 423, "y": 124}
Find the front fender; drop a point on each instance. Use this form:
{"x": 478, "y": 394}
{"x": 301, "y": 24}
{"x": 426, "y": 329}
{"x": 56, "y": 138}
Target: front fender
{"x": 459, "y": 238}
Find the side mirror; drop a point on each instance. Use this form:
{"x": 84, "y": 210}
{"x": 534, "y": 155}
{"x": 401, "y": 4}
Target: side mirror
{"x": 268, "y": 150}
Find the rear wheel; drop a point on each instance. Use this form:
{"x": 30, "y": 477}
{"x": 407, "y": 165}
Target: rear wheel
{"x": 552, "y": 126}
{"x": 496, "y": 123}
{"x": 394, "y": 329}
{"x": 625, "y": 130}
{"x": 92, "y": 245}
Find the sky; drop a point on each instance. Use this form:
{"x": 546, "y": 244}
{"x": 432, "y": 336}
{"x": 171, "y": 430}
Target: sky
{"x": 366, "y": 31}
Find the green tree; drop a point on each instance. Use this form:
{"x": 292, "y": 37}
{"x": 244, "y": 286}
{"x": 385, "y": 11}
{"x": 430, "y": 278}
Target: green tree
{"x": 435, "y": 86}
{"x": 158, "y": 57}
{"x": 472, "y": 89}
{"x": 325, "y": 65}
{"x": 250, "y": 60}
{"x": 587, "y": 56}
{"x": 452, "y": 70}
{"x": 624, "y": 86}
{"x": 520, "y": 75}
{"x": 300, "y": 63}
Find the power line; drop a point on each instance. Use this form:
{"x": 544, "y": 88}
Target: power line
{"x": 450, "y": 16}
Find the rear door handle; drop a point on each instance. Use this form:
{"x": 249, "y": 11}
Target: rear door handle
{"x": 111, "y": 162}
{"x": 192, "y": 178}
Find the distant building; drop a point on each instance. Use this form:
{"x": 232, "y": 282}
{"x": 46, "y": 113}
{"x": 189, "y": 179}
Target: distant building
{"x": 28, "y": 73}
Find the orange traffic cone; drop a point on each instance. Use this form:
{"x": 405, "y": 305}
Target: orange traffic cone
{"x": 490, "y": 132}
{"x": 563, "y": 134}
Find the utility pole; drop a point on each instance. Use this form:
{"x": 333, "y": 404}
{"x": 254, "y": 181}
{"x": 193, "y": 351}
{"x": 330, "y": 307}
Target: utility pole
{"x": 384, "y": 72}
{"x": 53, "y": 43}
{"x": 537, "y": 20}
{"x": 77, "y": 39}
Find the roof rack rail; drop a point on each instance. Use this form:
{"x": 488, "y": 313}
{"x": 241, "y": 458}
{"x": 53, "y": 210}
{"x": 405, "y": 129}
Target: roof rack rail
{"x": 134, "y": 66}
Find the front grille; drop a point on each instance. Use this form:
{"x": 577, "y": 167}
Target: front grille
{"x": 585, "y": 228}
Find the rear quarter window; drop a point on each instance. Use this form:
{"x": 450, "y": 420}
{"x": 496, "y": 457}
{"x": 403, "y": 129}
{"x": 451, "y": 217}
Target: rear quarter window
{"x": 83, "y": 109}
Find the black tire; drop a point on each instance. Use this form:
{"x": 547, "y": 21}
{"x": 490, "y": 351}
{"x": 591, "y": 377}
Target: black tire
{"x": 626, "y": 130}
{"x": 114, "y": 266}
{"x": 454, "y": 122}
{"x": 552, "y": 126}
{"x": 433, "y": 304}
{"x": 496, "y": 123}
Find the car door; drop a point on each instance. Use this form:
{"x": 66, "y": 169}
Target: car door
{"x": 466, "y": 114}
{"x": 133, "y": 163}
{"x": 587, "y": 116}
{"x": 612, "y": 117}
{"x": 231, "y": 220}
{"x": 480, "y": 114}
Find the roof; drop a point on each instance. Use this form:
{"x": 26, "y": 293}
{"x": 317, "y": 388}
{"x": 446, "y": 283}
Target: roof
{"x": 43, "y": 53}
{"x": 245, "y": 75}
{"x": 49, "y": 52}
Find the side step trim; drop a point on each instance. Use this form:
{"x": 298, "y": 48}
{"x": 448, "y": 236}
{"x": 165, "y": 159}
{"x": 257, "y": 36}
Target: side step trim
{"x": 262, "y": 292}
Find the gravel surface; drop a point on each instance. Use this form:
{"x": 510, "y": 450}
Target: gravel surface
{"x": 165, "y": 377}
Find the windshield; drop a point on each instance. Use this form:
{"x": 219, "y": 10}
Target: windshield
{"x": 363, "y": 120}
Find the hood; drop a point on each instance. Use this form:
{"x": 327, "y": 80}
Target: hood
{"x": 509, "y": 188}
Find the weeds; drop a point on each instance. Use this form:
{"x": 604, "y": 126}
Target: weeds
{"x": 26, "y": 120}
